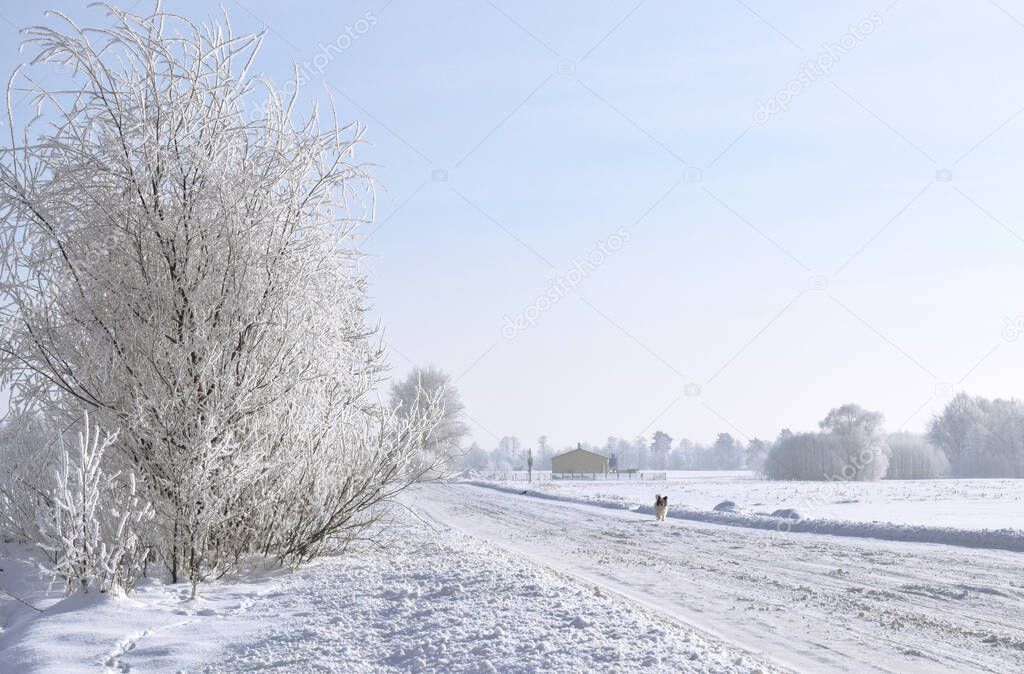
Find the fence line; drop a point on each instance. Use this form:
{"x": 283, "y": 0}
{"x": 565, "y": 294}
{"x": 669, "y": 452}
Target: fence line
{"x": 545, "y": 476}
{"x": 516, "y": 476}
{"x": 638, "y": 475}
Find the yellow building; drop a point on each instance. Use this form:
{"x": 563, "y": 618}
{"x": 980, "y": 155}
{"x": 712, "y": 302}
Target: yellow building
{"x": 579, "y": 461}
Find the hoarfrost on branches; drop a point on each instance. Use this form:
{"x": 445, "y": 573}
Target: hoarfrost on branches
{"x": 92, "y": 525}
{"x": 188, "y": 276}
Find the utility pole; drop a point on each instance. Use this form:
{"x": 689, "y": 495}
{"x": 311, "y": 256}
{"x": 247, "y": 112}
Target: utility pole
{"x": 529, "y": 463}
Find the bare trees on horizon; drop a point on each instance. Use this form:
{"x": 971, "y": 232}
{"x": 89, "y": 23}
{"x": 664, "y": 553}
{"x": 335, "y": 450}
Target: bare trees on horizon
{"x": 971, "y": 437}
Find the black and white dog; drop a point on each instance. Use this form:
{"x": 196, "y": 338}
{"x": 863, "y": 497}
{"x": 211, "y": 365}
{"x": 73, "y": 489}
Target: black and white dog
{"x": 660, "y": 507}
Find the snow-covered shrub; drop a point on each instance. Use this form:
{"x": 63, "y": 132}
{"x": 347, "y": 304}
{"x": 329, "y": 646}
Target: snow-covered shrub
{"x": 342, "y": 498}
{"x": 188, "y": 274}
{"x": 57, "y": 494}
{"x": 912, "y": 457}
{"x": 91, "y": 521}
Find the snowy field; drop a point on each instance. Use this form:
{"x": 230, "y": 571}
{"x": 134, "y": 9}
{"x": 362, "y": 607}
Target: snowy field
{"x": 964, "y": 504}
{"x": 435, "y": 601}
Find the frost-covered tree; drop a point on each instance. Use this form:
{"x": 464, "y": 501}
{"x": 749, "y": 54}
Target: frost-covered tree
{"x": 661, "y": 445}
{"x": 428, "y": 386}
{"x": 611, "y": 450}
{"x": 624, "y": 452}
{"x": 542, "y": 457}
{"x": 862, "y": 450}
{"x": 981, "y": 437}
{"x": 727, "y": 452}
{"x": 851, "y": 446}
{"x": 851, "y": 418}
{"x": 188, "y": 276}
{"x": 29, "y": 455}
{"x": 476, "y": 458}
{"x": 912, "y": 457}
{"x": 513, "y": 456}
{"x": 756, "y": 454}
{"x": 953, "y": 428}
{"x": 681, "y": 455}
{"x": 801, "y": 456}
{"x": 641, "y": 451}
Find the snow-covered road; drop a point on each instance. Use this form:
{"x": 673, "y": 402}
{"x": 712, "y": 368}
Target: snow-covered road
{"x": 813, "y": 603}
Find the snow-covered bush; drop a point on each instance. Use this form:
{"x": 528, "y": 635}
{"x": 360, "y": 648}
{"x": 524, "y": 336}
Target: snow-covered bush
{"x": 57, "y": 494}
{"x": 91, "y": 521}
{"x": 188, "y": 275}
{"x": 912, "y": 457}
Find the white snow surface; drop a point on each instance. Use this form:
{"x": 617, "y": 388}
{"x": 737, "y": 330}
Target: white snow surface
{"x": 814, "y": 603}
{"x": 972, "y": 513}
{"x": 435, "y": 600}
{"x": 494, "y": 581}
{"x": 785, "y": 521}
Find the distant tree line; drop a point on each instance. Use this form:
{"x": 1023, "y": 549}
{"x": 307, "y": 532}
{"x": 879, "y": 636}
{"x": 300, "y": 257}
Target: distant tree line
{"x": 658, "y": 452}
{"x": 971, "y": 437}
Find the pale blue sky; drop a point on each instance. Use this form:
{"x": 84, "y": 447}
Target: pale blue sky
{"x": 560, "y": 123}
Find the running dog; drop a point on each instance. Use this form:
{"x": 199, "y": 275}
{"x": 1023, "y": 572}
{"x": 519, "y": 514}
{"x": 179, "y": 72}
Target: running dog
{"x": 660, "y": 507}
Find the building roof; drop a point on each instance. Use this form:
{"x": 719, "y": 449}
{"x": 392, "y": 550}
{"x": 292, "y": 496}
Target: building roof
{"x": 577, "y": 450}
